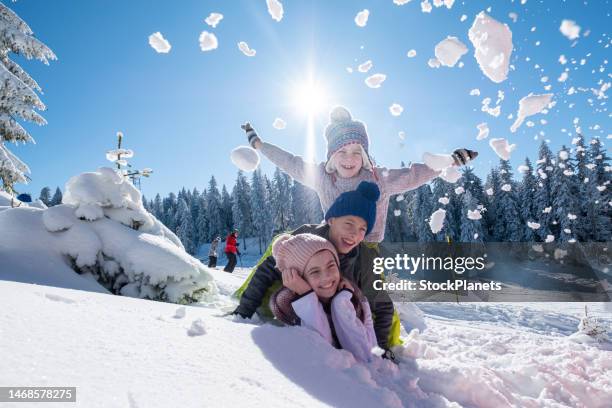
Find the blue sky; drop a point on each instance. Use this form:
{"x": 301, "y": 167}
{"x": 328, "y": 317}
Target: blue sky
{"x": 181, "y": 112}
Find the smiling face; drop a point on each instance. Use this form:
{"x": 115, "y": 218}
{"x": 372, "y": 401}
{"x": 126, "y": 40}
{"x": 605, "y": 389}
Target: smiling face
{"x": 348, "y": 160}
{"x": 346, "y": 232}
{"x": 322, "y": 274}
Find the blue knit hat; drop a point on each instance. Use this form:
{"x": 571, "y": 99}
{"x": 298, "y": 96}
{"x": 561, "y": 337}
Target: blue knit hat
{"x": 360, "y": 203}
{"x": 342, "y": 130}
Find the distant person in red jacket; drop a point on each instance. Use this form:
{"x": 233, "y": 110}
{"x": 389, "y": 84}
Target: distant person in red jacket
{"x": 231, "y": 249}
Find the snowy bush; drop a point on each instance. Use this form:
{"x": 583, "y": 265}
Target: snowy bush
{"x": 104, "y": 229}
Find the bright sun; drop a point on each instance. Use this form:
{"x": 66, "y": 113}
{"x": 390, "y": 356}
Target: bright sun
{"x": 309, "y": 97}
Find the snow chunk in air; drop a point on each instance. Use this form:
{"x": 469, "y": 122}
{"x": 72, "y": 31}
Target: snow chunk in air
{"x": 449, "y": 51}
{"x": 411, "y": 54}
{"x": 213, "y": 19}
{"x": 374, "y": 81}
{"x": 159, "y": 43}
{"x": 208, "y": 41}
{"x": 528, "y": 106}
{"x": 361, "y": 19}
{"x": 474, "y": 215}
{"x": 275, "y": 8}
{"x": 502, "y": 148}
{"x": 365, "y": 67}
{"x": 245, "y": 158}
{"x": 396, "y": 109}
{"x": 436, "y": 222}
{"x": 492, "y": 41}
{"x": 244, "y": 47}
{"x": 279, "y": 124}
{"x": 483, "y": 131}
{"x": 570, "y": 29}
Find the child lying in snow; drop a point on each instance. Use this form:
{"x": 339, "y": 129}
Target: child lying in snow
{"x": 348, "y": 164}
{"x": 314, "y": 295}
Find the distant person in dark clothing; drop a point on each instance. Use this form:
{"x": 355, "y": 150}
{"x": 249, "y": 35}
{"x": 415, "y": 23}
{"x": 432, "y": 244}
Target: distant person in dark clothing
{"x": 212, "y": 252}
{"x": 231, "y": 249}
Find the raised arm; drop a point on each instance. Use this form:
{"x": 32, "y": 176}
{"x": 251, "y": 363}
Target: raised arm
{"x": 306, "y": 173}
{"x": 408, "y": 178}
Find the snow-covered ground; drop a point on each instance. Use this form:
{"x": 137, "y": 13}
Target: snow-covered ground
{"x": 121, "y": 351}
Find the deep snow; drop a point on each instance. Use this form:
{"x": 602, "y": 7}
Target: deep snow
{"x": 121, "y": 351}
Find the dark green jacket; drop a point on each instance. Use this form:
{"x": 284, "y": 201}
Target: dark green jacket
{"x": 356, "y": 266}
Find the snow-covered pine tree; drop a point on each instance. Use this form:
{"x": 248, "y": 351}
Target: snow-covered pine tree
{"x": 185, "y": 229}
{"x": 213, "y": 208}
{"x": 45, "y": 196}
{"x": 194, "y": 207}
{"x": 241, "y": 209}
{"x": 170, "y": 205}
{"x": 492, "y": 186}
{"x": 563, "y": 201}
{"x": 582, "y": 171}
{"x": 226, "y": 210}
{"x": 543, "y": 198}
{"x": 156, "y": 207}
{"x": 281, "y": 201}
{"x": 527, "y": 208}
{"x": 298, "y": 204}
{"x": 471, "y": 230}
{"x": 262, "y": 216}
{"x": 57, "y": 197}
{"x": 599, "y": 193}
{"x": 18, "y": 95}
{"x": 201, "y": 223}
{"x": 508, "y": 220}
{"x": 423, "y": 208}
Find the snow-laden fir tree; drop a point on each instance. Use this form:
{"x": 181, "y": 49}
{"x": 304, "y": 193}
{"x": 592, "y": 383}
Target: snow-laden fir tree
{"x": 423, "y": 208}
{"x": 262, "y": 216}
{"x": 563, "y": 201}
{"x": 213, "y": 207}
{"x": 18, "y": 94}
{"x": 201, "y": 223}
{"x": 582, "y": 171}
{"x": 598, "y": 217}
{"x": 45, "y": 196}
{"x": 241, "y": 210}
{"x": 305, "y": 206}
{"x": 492, "y": 185}
{"x": 226, "y": 210}
{"x": 471, "y": 229}
{"x": 527, "y": 206}
{"x": 508, "y": 224}
{"x": 57, "y": 197}
{"x": 185, "y": 228}
{"x": 543, "y": 197}
{"x": 472, "y": 183}
{"x": 281, "y": 201}
{"x": 169, "y": 205}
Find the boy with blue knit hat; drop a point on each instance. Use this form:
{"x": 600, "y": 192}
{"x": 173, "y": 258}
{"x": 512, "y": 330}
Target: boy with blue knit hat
{"x": 348, "y": 220}
{"x": 348, "y": 164}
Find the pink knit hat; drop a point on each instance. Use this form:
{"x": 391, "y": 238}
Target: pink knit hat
{"x": 294, "y": 251}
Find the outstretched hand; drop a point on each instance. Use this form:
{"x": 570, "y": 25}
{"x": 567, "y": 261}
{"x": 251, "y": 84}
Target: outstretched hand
{"x": 254, "y": 140}
{"x": 462, "y": 156}
{"x": 293, "y": 281}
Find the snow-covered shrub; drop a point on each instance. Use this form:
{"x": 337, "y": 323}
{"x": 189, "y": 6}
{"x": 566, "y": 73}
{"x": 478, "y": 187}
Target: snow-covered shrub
{"x": 590, "y": 326}
{"x": 104, "y": 229}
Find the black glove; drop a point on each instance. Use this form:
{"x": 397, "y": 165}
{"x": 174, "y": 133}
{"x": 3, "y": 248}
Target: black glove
{"x": 389, "y": 355}
{"x": 238, "y": 252}
{"x": 251, "y": 134}
{"x": 238, "y": 312}
{"x": 462, "y": 156}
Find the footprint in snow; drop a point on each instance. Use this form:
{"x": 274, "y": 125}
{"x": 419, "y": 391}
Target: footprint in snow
{"x": 57, "y": 298}
{"x": 197, "y": 328}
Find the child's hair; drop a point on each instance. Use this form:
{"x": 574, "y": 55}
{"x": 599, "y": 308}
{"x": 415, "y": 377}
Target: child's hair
{"x": 341, "y": 131}
{"x": 294, "y": 251}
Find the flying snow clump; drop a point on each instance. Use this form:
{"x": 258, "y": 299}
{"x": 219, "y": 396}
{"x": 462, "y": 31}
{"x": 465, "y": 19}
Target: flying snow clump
{"x": 570, "y": 29}
{"x": 361, "y": 19}
{"x": 275, "y": 8}
{"x": 159, "y": 43}
{"x": 213, "y": 19}
{"x": 374, "y": 81}
{"x": 244, "y": 47}
{"x": 449, "y": 51}
{"x": 208, "y": 41}
{"x": 492, "y": 41}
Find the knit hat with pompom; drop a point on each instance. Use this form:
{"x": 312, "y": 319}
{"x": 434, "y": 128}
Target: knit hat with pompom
{"x": 359, "y": 203}
{"x": 342, "y": 130}
{"x": 294, "y": 251}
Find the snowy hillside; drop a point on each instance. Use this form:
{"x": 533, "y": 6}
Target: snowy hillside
{"x": 120, "y": 351}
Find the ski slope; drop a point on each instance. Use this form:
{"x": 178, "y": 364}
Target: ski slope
{"x": 127, "y": 352}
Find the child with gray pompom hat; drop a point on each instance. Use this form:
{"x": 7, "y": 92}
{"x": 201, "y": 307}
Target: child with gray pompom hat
{"x": 348, "y": 164}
